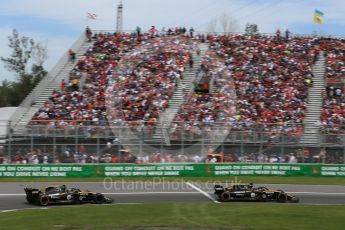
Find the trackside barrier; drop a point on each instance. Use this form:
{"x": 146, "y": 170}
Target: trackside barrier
{"x": 176, "y": 170}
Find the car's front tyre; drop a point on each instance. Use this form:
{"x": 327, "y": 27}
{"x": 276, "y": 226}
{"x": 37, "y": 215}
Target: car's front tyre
{"x": 282, "y": 197}
{"x": 98, "y": 199}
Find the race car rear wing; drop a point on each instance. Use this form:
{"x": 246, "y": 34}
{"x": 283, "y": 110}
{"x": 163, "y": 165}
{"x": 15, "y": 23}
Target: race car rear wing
{"x": 31, "y": 192}
{"x": 218, "y": 189}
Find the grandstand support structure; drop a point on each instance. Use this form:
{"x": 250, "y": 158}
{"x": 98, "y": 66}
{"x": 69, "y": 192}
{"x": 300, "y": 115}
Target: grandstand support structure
{"x": 185, "y": 87}
{"x": 312, "y": 122}
{"x": 41, "y": 93}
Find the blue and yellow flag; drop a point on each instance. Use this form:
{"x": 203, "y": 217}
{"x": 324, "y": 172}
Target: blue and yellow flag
{"x": 318, "y": 17}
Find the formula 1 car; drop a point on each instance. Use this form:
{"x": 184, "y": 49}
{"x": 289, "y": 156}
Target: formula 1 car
{"x": 63, "y": 195}
{"x": 247, "y": 192}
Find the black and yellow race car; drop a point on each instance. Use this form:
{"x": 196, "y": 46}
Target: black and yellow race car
{"x": 64, "y": 195}
{"x": 247, "y": 192}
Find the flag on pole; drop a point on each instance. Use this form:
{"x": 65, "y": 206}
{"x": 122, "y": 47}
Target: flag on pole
{"x": 91, "y": 16}
{"x": 318, "y": 17}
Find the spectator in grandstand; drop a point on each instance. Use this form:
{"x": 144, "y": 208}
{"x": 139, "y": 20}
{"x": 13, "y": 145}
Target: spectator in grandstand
{"x": 191, "y": 32}
{"x": 191, "y": 62}
{"x": 197, "y": 159}
{"x": 278, "y": 33}
{"x": 138, "y": 31}
{"x": 270, "y": 76}
{"x": 151, "y": 81}
{"x": 333, "y": 117}
{"x": 71, "y": 55}
{"x": 337, "y": 92}
{"x": 88, "y": 34}
{"x": 153, "y": 31}
{"x": 75, "y": 86}
{"x": 88, "y": 104}
{"x": 62, "y": 85}
{"x": 148, "y": 86}
{"x": 292, "y": 159}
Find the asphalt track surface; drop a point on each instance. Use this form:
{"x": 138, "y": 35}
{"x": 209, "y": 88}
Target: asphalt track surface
{"x": 12, "y": 196}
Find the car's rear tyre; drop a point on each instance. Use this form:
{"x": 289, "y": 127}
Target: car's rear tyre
{"x": 282, "y": 197}
{"x": 43, "y": 200}
{"x": 98, "y": 199}
{"x": 262, "y": 197}
{"x": 225, "y": 196}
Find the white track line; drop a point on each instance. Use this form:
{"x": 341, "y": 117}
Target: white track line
{"x": 14, "y": 210}
{"x": 202, "y": 192}
{"x": 320, "y": 193}
{"x": 10, "y": 210}
{"x": 146, "y": 193}
{"x": 114, "y": 193}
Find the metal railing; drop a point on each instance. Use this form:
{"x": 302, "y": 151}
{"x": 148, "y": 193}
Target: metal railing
{"x": 102, "y": 140}
{"x": 237, "y": 132}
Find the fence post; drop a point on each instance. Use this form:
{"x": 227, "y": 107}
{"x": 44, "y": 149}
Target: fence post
{"x": 31, "y": 141}
{"x": 203, "y": 141}
{"x": 183, "y": 139}
{"x": 98, "y": 146}
{"x": 282, "y": 146}
{"x": 161, "y": 138}
{"x": 142, "y": 131}
{"x": 261, "y": 140}
{"x": 54, "y": 145}
{"x": 242, "y": 137}
{"x": 9, "y": 147}
{"x": 76, "y": 138}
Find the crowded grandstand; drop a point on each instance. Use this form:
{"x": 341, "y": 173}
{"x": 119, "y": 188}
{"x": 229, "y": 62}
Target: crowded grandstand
{"x": 247, "y": 89}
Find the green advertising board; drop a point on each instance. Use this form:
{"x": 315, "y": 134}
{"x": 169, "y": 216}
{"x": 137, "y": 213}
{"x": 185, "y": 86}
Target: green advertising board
{"x": 176, "y": 170}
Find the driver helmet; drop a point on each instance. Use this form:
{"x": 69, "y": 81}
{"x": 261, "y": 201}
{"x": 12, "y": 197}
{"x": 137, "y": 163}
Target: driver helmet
{"x": 63, "y": 187}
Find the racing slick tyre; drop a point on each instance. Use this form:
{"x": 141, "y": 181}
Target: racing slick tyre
{"x": 225, "y": 196}
{"x": 282, "y": 197}
{"x": 43, "y": 200}
{"x": 98, "y": 199}
{"x": 262, "y": 197}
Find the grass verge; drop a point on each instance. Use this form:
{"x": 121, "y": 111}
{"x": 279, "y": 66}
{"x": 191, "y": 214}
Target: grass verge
{"x": 242, "y": 216}
{"x": 244, "y": 179}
